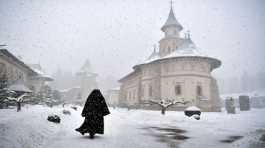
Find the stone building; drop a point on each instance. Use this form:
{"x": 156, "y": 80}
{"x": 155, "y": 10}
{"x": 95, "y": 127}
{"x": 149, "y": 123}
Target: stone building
{"x": 20, "y": 75}
{"x": 179, "y": 70}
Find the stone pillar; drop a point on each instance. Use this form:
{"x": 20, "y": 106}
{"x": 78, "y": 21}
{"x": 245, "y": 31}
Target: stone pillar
{"x": 244, "y": 103}
{"x": 230, "y": 106}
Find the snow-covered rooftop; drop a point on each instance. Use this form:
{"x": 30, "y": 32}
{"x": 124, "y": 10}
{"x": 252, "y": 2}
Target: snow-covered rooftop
{"x": 154, "y": 56}
{"x": 19, "y": 86}
{"x": 187, "y": 49}
{"x": 193, "y": 108}
{"x": 41, "y": 74}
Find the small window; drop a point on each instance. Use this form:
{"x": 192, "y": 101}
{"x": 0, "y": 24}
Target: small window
{"x": 178, "y": 90}
{"x": 129, "y": 95}
{"x": 199, "y": 90}
{"x": 150, "y": 91}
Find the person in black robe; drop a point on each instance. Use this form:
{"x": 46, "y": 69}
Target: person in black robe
{"x": 94, "y": 111}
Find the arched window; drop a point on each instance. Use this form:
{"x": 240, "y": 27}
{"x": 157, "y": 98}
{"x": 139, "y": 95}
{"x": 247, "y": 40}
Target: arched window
{"x": 199, "y": 90}
{"x": 175, "y": 32}
{"x": 178, "y": 89}
{"x": 134, "y": 94}
{"x": 142, "y": 91}
{"x": 168, "y": 49}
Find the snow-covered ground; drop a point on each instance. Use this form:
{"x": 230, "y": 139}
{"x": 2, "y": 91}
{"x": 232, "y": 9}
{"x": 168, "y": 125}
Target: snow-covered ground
{"x": 134, "y": 128}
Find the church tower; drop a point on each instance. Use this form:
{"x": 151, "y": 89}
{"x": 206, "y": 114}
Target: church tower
{"x": 87, "y": 80}
{"x": 171, "y": 40}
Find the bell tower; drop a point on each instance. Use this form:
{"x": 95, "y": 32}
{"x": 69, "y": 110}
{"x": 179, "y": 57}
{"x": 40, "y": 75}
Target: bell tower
{"x": 171, "y": 29}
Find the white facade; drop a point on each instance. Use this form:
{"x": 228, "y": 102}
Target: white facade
{"x": 179, "y": 70}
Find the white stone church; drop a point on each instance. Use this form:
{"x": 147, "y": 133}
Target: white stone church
{"x": 179, "y": 70}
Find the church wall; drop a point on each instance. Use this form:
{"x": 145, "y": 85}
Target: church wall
{"x": 150, "y": 82}
{"x": 159, "y": 80}
{"x": 184, "y": 66}
{"x": 130, "y": 94}
{"x": 188, "y": 75}
{"x": 188, "y": 86}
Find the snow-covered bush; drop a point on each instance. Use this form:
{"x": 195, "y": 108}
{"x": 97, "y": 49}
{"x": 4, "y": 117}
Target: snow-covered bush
{"x": 54, "y": 118}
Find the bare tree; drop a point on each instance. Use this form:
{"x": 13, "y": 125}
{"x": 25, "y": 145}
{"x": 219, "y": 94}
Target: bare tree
{"x": 18, "y": 100}
{"x": 164, "y": 104}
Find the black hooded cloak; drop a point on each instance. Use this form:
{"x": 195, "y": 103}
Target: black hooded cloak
{"x": 94, "y": 111}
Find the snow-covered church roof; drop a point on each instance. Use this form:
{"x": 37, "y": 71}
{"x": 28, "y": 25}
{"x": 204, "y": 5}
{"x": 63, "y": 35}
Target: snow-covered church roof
{"x": 186, "y": 49}
{"x": 40, "y": 73}
{"x": 154, "y": 56}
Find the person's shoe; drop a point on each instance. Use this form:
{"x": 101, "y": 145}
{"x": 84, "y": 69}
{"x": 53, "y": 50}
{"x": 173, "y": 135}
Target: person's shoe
{"x": 91, "y": 135}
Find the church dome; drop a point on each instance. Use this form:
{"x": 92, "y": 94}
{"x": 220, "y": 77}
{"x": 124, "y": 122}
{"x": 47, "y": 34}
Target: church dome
{"x": 172, "y": 21}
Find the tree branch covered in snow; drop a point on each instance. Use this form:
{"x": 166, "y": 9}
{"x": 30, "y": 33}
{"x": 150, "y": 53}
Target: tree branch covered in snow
{"x": 164, "y": 104}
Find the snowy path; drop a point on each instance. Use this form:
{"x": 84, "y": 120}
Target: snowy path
{"x": 134, "y": 128}
{"x": 118, "y": 134}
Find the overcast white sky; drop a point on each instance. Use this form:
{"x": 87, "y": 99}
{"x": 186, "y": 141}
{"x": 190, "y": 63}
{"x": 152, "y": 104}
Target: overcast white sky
{"x": 117, "y": 34}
